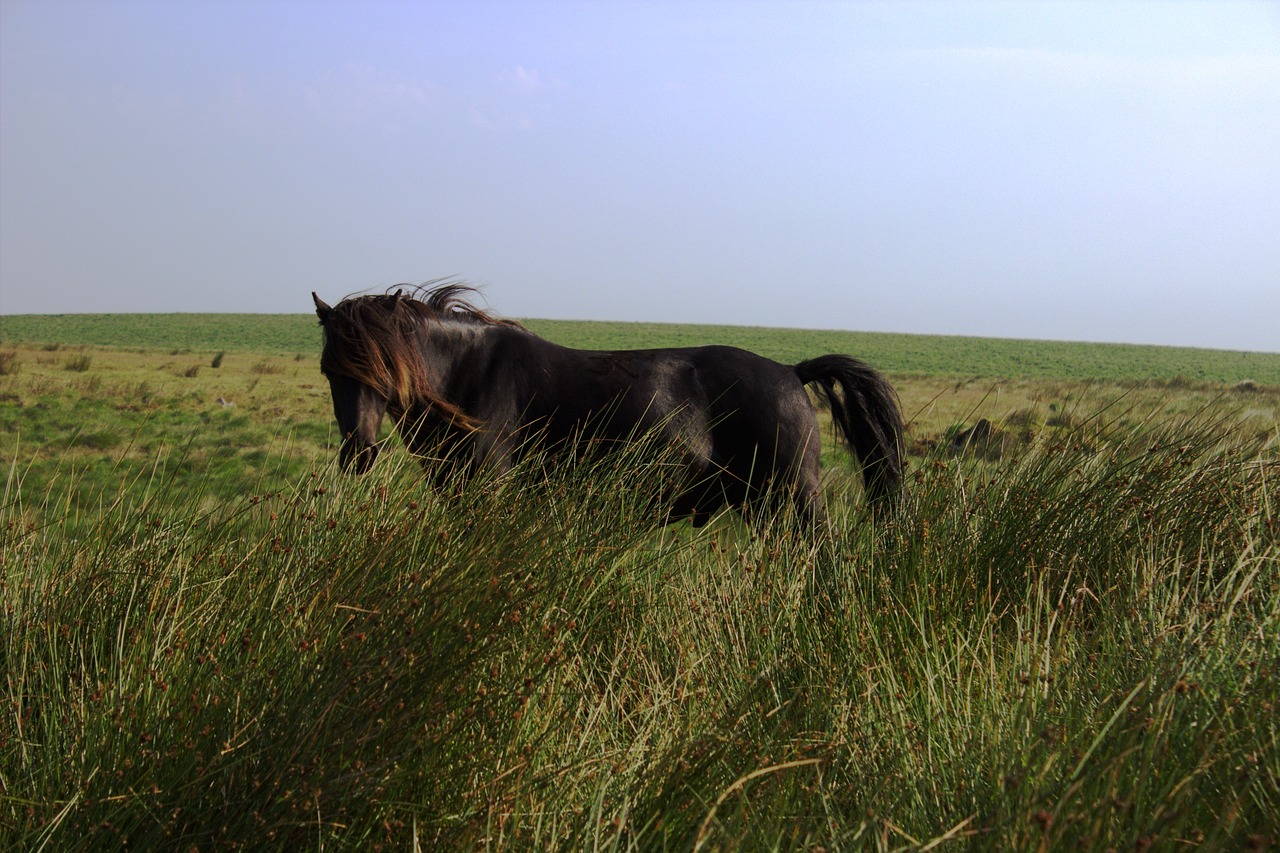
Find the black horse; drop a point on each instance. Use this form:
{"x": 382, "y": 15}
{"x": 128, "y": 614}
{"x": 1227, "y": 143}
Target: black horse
{"x": 464, "y": 386}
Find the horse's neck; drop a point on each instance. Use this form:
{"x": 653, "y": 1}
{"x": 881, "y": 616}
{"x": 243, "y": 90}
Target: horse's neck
{"x": 452, "y": 345}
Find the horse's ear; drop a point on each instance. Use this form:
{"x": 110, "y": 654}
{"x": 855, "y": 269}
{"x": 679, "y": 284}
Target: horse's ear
{"x": 322, "y": 308}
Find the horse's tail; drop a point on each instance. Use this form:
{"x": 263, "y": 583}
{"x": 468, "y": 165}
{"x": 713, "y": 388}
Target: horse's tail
{"x": 866, "y": 411}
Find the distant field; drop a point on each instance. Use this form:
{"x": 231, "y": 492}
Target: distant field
{"x": 926, "y": 355}
{"x": 106, "y": 395}
{"x": 267, "y": 333}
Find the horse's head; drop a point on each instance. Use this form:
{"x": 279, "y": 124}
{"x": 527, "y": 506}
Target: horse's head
{"x": 357, "y": 406}
{"x": 379, "y": 358}
{"x": 359, "y": 410}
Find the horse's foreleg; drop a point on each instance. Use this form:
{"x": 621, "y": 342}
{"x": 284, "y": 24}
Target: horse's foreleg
{"x": 811, "y": 509}
{"x": 491, "y": 452}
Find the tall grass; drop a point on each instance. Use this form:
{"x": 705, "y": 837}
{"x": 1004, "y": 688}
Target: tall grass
{"x": 1080, "y": 647}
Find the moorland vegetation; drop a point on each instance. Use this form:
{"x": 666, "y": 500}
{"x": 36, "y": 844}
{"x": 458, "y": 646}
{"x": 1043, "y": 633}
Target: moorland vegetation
{"x": 1069, "y": 636}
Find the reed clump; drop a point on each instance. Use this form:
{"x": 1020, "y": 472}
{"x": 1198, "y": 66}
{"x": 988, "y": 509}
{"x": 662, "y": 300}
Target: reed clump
{"x": 1075, "y": 646}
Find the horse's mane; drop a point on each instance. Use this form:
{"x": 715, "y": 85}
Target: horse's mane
{"x": 379, "y": 339}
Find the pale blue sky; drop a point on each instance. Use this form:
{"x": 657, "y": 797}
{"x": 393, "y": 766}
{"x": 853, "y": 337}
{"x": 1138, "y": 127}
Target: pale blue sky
{"x": 1084, "y": 171}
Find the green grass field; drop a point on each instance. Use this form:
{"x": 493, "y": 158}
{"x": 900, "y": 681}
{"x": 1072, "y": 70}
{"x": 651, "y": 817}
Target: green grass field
{"x": 1069, "y": 638}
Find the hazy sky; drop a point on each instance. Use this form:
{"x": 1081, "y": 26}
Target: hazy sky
{"x": 1087, "y": 171}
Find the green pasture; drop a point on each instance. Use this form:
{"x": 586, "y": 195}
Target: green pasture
{"x": 1068, "y": 638}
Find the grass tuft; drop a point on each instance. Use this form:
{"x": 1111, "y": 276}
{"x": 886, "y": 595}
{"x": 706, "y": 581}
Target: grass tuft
{"x": 78, "y": 363}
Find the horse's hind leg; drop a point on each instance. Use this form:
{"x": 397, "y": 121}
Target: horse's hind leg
{"x": 797, "y": 505}
{"x": 810, "y": 506}
{"x": 697, "y": 503}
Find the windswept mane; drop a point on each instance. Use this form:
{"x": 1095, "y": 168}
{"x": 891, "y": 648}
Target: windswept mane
{"x": 448, "y": 301}
{"x": 379, "y": 340}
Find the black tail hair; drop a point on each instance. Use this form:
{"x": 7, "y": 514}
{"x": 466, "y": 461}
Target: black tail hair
{"x": 865, "y": 409}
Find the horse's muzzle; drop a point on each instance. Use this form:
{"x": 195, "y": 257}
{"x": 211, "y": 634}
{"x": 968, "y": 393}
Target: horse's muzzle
{"x": 361, "y": 455}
